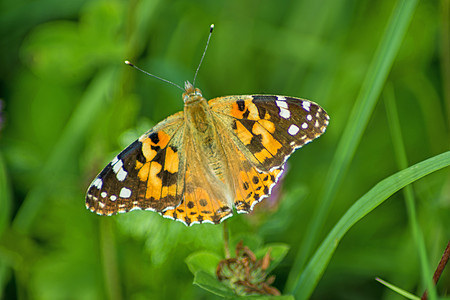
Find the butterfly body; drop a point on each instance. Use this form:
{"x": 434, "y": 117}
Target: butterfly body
{"x": 196, "y": 165}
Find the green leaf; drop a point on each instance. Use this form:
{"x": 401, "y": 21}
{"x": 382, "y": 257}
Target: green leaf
{"x": 203, "y": 261}
{"x": 210, "y": 283}
{"x": 252, "y": 241}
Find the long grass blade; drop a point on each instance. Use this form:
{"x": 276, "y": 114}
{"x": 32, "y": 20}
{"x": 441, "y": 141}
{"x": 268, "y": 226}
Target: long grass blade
{"x": 359, "y": 117}
{"x": 402, "y": 162}
{"x": 74, "y": 132}
{"x": 377, "y": 195}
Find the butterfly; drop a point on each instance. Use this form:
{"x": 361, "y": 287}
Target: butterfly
{"x": 198, "y": 164}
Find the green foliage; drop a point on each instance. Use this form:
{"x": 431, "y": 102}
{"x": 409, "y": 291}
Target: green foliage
{"x": 361, "y": 208}
{"x": 68, "y": 104}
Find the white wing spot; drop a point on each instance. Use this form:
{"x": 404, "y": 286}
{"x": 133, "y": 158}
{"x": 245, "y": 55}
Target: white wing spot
{"x": 281, "y": 98}
{"x": 306, "y": 105}
{"x": 282, "y": 104}
{"x": 115, "y": 159}
{"x": 293, "y": 129}
{"x": 113, "y": 198}
{"x": 98, "y": 183}
{"x": 101, "y": 204}
{"x": 309, "y": 117}
{"x": 103, "y": 194}
{"x": 284, "y": 113}
{"x": 305, "y": 125}
{"x": 121, "y": 175}
{"x": 117, "y": 165}
{"x": 118, "y": 169}
{"x": 125, "y": 193}
{"x": 316, "y": 124}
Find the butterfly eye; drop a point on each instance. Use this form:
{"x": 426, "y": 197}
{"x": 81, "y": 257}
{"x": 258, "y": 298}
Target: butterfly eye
{"x": 197, "y": 92}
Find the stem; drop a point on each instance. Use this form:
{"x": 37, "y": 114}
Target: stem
{"x": 439, "y": 269}
{"x": 109, "y": 259}
{"x": 226, "y": 240}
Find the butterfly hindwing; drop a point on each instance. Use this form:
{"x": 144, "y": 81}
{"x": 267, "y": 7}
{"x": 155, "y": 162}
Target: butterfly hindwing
{"x": 206, "y": 198}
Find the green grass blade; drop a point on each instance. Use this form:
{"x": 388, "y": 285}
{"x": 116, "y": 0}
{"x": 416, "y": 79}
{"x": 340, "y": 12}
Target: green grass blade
{"x": 398, "y": 290}
{"x": 74, "y": 132}
{"x": 402, "y": 161}
{"x": 5, "y": 196}
{"x": 380, "y": 192}
{"x": 364, "y": 105}
{"x": 5, "y": 212}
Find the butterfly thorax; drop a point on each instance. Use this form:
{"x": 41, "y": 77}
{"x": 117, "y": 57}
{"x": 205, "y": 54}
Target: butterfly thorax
{"x": 201, "y": 132}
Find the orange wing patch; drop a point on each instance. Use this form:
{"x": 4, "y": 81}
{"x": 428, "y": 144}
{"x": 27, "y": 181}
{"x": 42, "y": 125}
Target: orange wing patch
{"x": 253, "y": 187}
{"x": 158, "y": 173}
{"x": 199, "y": 205}
{"x": 244, "y": 109}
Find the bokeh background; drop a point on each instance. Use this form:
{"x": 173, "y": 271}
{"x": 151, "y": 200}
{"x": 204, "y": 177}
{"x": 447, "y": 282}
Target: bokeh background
{"x": 68, "y": 105}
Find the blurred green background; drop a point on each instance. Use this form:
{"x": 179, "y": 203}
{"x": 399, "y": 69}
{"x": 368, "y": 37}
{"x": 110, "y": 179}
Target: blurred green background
{"x": 69, "y": 104}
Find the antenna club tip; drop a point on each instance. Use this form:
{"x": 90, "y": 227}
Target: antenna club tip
{"x": 211, "y": 28}
{"x": 128, "y": 63}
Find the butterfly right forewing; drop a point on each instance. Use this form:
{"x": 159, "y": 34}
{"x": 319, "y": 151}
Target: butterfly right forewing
{"x": 266, "y": 128}
{"x": 146, "y": 175}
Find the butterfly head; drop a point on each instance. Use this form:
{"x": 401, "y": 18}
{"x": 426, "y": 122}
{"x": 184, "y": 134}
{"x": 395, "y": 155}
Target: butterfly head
{"x": 191, "y": 94}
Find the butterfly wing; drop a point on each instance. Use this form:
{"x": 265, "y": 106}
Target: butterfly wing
{"x": 162, "y": 171}
{"x": 145, "y": 175}
{"x": 250, "y": 184}
{"x": 265, "y": 130}
{"x": 269, "y": 128}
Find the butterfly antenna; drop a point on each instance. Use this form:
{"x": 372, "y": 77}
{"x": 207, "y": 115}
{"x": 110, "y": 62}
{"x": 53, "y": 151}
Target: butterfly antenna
{"x": 154, "y": 76}
{"x": 204, "y": 52}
